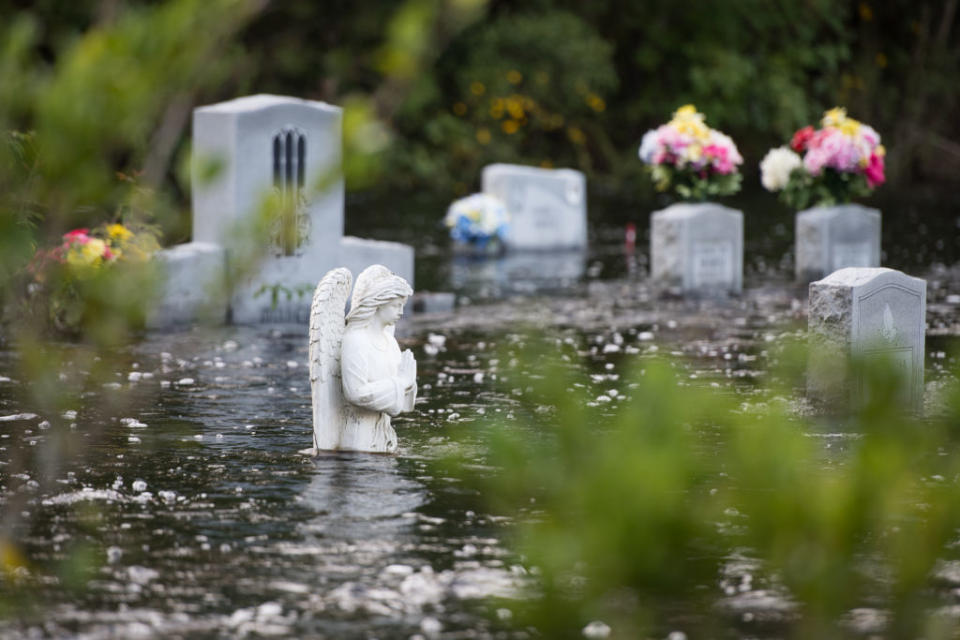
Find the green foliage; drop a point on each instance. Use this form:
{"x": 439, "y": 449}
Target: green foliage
{"x": 691, "y": 185}
{"x": 829, "y": 188}
{"x": 632, "y": 514}
{"x": 528, "y": 88}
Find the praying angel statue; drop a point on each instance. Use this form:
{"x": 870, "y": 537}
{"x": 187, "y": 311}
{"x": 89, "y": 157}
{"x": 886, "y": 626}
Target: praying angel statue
{"x": 358, "y": 376}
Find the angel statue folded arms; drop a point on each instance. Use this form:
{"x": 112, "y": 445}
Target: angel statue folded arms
{"x": 358, "y": 376}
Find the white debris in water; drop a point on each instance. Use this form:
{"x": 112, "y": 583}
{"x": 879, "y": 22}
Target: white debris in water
{"x": 239, "y": 617}
{"x": 230, "y": 345}
{"x": 164, "y": 384}
{"x": 611, "y": 348}
{"x": 422, "y": 588}
{"x": 603, "y": 398}
{"x": 134, "y": 376}
{"x": 114, "y": 554}
{"x": 18, "y": 416}
{"x": 167, "y": 496}
{"x": 269, "y": 610}
{"x": 113, "y": 386}
{"x": 87, "y": 493}
{"x": 5, "y": 379}
{"x": 430, "y": 350}
{"x": 185, "y": 382}
{"x": 69, "y": 415}
{"x": 142, "y": 575}
{"x": 132, "y": 423}
{"x": 478, "y": 377}
{"x": 596, "y": 629}
{"x": 437, "y": 340}
{"x": 431, "y": 627}
{"x": 282, "y": 585}
{"x": 293, "y": 364}
{"x": 134, "y": 440}
{"x": 43, "y": 426}
{"x": 645, "y": 335}
{"x": 676, "y": 635}
{"x": 398, "y": 570}
{"x": 139, "y": 486}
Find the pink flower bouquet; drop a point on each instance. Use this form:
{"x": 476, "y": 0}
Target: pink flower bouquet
{"x": 840, "y": 161}
{"x": 696, "y": 161}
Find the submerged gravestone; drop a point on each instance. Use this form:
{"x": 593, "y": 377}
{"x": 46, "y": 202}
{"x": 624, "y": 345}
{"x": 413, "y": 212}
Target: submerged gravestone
{"x": 831, "y": 238}
{"x": 547, "y": 207}
{"x": 697, "y": 248}
{"x": 872, "y": 315}
{"x": 193, "y": 285}
{"x": 286, "y": 151}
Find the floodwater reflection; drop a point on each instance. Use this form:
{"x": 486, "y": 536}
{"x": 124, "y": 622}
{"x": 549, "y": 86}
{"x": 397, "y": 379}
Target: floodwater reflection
{"x": 359, "y": 496}
{"x": 517, "y": 272}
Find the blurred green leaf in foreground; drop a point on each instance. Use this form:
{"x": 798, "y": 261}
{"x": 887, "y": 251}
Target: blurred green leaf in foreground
{"x": 674, "y": 504}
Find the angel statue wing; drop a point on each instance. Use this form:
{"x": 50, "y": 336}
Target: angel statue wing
{"x": 326, "y": 334}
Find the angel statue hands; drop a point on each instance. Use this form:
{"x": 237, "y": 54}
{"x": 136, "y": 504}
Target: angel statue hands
{"x": 358, "y": 376}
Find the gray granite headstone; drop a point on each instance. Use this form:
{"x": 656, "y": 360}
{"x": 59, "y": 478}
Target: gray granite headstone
{"x": 869, "y": 314}
{"x": 697, "y": 248}
{"x": 547, "y": 207}
{"x": 831, "y": 238}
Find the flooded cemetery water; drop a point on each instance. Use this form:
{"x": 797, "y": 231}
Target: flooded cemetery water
{"x": 201, "y": 520}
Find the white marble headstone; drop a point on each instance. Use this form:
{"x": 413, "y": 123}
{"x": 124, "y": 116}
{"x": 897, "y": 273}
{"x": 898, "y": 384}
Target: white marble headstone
{"x": 194, "y": 285}
{"x": 697, "y": 248}
{"x": 265, "y": 146}
{"x": 870, "y": 314}
{"x": 831, "y": 238}
{"x": 548, "y": 207}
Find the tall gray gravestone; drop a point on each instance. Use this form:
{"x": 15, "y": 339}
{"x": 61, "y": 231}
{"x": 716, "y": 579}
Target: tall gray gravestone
{"x": 547, "y": 207}
{"x": 697, "y": 248}
{"x": 831, "y": 238}
{"x": 872, "y": 314}
{"x": 268, "y": 147}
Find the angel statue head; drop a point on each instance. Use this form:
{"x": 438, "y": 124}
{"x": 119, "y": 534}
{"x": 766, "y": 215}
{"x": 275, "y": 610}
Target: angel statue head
{"x": 378, "y": 293}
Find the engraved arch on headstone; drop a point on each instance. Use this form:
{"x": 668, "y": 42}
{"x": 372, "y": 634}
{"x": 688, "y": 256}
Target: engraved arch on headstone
{"x": 884, "y": 331}
{"x": 289, "y": 180}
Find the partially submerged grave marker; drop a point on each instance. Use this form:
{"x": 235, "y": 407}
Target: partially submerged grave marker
{"x": 697, "y": 248}
{"x": 268, "y": 148}
{"x": 872, "y": 315}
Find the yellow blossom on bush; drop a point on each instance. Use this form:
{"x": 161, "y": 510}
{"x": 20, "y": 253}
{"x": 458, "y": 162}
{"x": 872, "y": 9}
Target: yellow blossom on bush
{"x": 118, "y": 232}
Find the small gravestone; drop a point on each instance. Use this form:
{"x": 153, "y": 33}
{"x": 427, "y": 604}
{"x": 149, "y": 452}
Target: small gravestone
{"x": 289, "y": 151}
{"x": 871, "y": 314}
{"x": 831, "y": 238}
{"x": 697, "y": 248}
{"x": 194, "y": 285}
{"x": 547, "y": 207}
